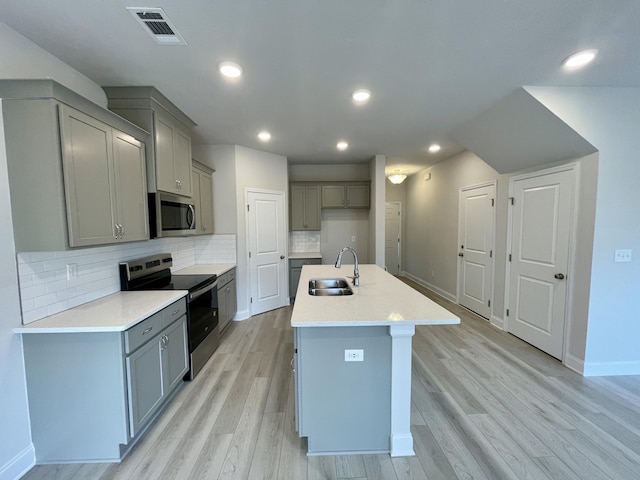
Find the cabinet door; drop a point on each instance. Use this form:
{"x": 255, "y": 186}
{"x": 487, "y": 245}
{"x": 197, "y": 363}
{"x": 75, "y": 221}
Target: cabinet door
{"x": 312, "y": 207}
{"x": 333, "y": 196}
{"x": 175, "y": 353}
{"x": 131, "y": 186}
{"x": 206, "y": 202}
{"x": 182, "y": 161}
{"x": 294, "y": 279}
{"x": 232, "y": 299}
{"x": 88, "y": 178}
{"x": 164, "y": 143}
{"x": 145, "y": 382}
{"x": 296, "y": 212}
{"x": 358, "y": 196}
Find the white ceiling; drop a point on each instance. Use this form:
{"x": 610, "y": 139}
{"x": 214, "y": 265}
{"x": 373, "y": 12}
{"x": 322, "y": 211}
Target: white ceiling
{"x": 432, "y": 65}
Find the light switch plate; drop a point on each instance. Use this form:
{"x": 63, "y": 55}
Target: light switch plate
{"x": 622, "y": 255}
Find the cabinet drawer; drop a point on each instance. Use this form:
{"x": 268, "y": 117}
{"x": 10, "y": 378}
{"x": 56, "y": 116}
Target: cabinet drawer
{"x": 144, "y": 331}
{"x": 226, "y": 277}
{"x": 299, "y": 262}
{"x": 174, "y": 312}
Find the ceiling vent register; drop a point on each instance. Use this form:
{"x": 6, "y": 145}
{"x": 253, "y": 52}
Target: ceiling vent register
{"x": 155, "y": 23}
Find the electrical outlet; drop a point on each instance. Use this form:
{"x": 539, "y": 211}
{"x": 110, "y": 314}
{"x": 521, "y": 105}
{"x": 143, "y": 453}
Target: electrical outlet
{"x": 433, "y": 274}
{"x": 354, "y": 355}
{"x": 72, "y": 271}
{"x": 353, "y": 238}
{"x": 622, "y": 255}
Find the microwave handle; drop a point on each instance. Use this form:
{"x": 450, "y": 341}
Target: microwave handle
{"x": 192, "y": 222}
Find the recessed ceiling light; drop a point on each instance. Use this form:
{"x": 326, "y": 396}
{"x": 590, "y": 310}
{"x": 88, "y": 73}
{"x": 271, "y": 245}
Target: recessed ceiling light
{"x": 342, "y": 145}
{"x": 361, "y": 96}
{"x": 264, "y": 136}
{"x": 230, "y": 69}
{"x": 580, "y": 59}
{"x": 434, "y": 148}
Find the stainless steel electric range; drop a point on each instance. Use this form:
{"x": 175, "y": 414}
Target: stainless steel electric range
{"x": 154, "y": 273}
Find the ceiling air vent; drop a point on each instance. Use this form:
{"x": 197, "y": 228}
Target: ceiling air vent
{"x": 156, "y": 24}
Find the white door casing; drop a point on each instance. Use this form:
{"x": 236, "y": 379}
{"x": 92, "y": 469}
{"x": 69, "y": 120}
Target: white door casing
{"x": 392, "y": 237}
{"x": 266, "y": 237}
{"x": 541, "y": 225}
{"x": 476, "y": 236}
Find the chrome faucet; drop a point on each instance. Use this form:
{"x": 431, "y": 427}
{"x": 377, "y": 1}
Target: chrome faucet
{"x": 356, "y": 273}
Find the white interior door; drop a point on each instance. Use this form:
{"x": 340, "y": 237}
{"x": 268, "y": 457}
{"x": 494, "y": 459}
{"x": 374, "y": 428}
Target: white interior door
{"x": 475, "y": 250}
{"x": 392, "y": 238}
{"x": 267, "y": 250}
{"x": 541, "y": 220}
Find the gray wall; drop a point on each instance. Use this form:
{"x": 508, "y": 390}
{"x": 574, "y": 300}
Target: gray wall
{"x": 609, "y": 119}
{"x": 376, "y": 211}
{"x": 20, "y": 58}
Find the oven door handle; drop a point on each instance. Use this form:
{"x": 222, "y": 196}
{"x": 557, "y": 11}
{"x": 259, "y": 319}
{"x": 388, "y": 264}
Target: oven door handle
{"x": 202, "y": 291}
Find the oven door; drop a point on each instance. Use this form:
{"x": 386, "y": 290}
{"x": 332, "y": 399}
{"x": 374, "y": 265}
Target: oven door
{"x": 203, "y": 314}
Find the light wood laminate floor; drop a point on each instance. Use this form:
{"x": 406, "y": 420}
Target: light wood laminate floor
{"x": 485, "y": 405}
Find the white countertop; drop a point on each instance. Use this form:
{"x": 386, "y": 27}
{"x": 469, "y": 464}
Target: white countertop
{"x": 380, "y": 300}
{"x": 206, "y": 269}
{"x": 305, "y": 255}
{"x": 114, "y": 313}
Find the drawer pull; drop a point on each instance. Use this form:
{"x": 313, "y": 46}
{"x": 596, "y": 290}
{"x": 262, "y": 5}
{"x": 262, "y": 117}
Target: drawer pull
{"x": 147, "y": 330}
{"x": 175, "y": 313}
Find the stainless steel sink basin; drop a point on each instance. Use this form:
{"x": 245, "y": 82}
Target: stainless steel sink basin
{"x": 328, "y": 283}
{"x": 329, "y": 287}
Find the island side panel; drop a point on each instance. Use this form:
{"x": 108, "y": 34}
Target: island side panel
{"x": 345, "y": 407}
{"x": 76, "y": 389}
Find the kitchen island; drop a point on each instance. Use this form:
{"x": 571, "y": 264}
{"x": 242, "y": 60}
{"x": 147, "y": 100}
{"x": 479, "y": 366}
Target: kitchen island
{"x": 352, "y": 361}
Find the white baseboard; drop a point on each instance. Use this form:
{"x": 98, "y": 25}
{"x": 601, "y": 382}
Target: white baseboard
{"x": 599, "y": 369}
{"x": 19, "y": 465}
{"x": 574, "y": 363}
{"x": 241, "y": 315}
{"x": 497, "y": 322}
{"x": 431, "y": 287}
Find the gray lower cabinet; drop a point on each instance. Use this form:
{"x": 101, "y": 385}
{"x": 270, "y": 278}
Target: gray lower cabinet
{"x": 92, "y": 395}
{"x": 227, "y": 297}
{"x": 77, "y": 171}
{"x": 295, "y": 269}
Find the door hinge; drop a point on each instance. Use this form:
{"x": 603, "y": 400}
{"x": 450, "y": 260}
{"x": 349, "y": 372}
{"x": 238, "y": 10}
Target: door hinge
{"x": 507, "y": 312}
{"x": 249, "y": 254}
{"x": 512, "y": 200}
{"x": 488, "y": 303}
{"x": 509, "y": 257}
{"x": 493, "y": 202}
{"x": 250, "y": 299}
{"x": 247, "y": 208}
{"x": 490, "y": 253}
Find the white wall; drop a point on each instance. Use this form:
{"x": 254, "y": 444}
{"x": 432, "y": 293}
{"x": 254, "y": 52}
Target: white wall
{"x": 20, "y": 58}
{"x": 259, "y": 170}
{"x": 609, "y": 118}
{"x": 338, "y": 228}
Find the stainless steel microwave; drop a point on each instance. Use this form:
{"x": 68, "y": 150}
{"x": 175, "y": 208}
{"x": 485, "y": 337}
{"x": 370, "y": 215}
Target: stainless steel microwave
{"x": 171, "y": 215}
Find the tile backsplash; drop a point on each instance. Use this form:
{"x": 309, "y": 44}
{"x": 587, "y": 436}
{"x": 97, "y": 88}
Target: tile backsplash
{"x": 304, "y": 242}
{"x": 46, "y": 288}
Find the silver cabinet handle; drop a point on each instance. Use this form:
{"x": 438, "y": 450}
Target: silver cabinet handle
{"x": 121, "y": 231}
{"x": 147, "y": 330}
{"x": 115, "y": 231}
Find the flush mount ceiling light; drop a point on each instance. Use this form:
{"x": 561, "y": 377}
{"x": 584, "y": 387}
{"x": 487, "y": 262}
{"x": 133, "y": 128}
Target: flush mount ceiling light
{"x": 361, "y": 96}
{"x": 397, "y": 177}
{"x": 230, "y": 69}
{"x": 580, "y": 59}
{"x": 434, "y": 148}
{"x": 264, "y": 136}
{"x": 342, "y": 145}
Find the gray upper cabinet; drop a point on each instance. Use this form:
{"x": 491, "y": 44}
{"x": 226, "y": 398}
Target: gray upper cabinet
{"x": 203, "y": 198}
{"x": 349, "y": 195}
{"x": 305, "y": 207}
{"x": 77, "y": 171}
{"x": 105, "y": 181}
{"x": 169, "y": 156}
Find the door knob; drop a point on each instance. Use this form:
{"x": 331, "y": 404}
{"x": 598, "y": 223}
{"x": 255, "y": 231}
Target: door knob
{"x": 281, "y": 257}
{"x": 461, "y": 254}
{"x": 559, "y": 276}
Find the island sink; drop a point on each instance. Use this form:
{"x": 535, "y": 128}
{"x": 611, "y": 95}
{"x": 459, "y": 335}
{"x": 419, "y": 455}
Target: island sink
{"x": 328, "y": 287}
